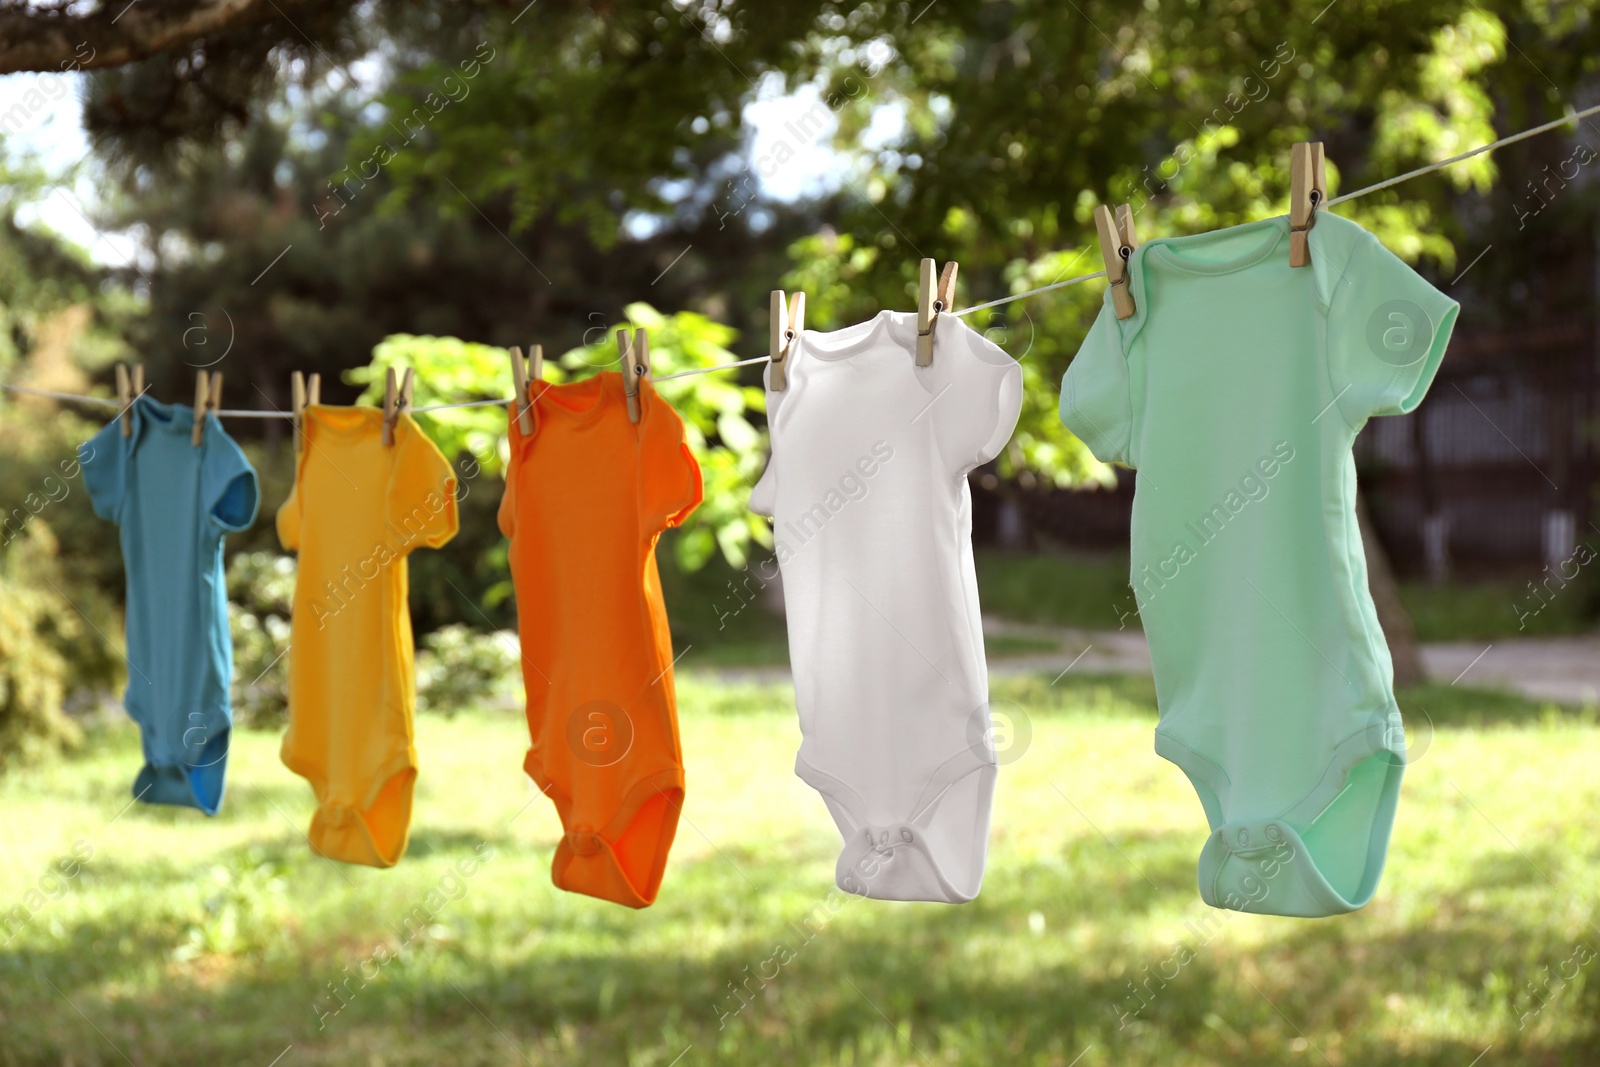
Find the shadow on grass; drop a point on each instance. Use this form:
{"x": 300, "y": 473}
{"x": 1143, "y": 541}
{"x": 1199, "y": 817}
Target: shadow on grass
{"x": 1050, "y": 960}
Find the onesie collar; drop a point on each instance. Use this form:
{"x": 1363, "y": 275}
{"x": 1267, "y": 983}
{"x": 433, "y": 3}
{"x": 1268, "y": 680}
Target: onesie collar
{"x": 1166, "y": 251}
{"x": 892, "y": 328}
{"x": 1169, "y": 251}
{"x": 173, "y": 418}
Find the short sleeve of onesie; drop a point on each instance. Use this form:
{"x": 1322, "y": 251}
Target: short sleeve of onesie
{"x": 1095, "y": 403}
{"x": 422, "y": 492}
{"x": 979, "y": 412}
{"x": 671, "y": 487}
{"x": 103, "y": 458}
{"x": 228, "y": 485}
{"x": 288, "y": 521}
{"x": 1387, "y": 331}
{"x": 764, "y": 494}
{"x": 506, "y": 514}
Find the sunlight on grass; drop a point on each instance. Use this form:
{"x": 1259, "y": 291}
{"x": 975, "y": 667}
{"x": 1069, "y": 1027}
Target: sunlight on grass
{"x": 1089, "y": 591}
{"x": 1082, "y": 590}
{"x": 187, "y": 940}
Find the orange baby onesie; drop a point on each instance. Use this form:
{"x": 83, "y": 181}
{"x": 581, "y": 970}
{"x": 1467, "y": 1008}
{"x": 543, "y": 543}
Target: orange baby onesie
{"x": 358, "y": 507}
{"x": 587, "y": 495}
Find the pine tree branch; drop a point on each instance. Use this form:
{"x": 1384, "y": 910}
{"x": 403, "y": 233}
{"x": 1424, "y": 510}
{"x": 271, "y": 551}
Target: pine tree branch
{"x": 45, "y": 38}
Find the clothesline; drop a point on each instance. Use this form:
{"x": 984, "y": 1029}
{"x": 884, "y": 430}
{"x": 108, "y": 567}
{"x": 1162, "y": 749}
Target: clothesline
{"x": 1386, "y": 183}
{"x": 235, "y": 413}
{"x": 240, "y": 413}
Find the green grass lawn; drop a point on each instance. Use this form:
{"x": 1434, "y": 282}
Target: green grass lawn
{"x": 1485, "y": 610}
{"x": 774, "y": 652}
{"x": 1090, "y": 591}
{"x": 183, "y": 940}
{"x": 718, "y": 622}
{"x": 1081, "y": 590}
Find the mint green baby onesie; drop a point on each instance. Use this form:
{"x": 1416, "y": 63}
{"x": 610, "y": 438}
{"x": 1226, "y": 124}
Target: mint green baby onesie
{"x": 1236, "y": 391}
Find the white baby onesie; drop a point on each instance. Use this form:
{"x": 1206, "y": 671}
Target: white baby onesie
{"x": 872, "y": 519}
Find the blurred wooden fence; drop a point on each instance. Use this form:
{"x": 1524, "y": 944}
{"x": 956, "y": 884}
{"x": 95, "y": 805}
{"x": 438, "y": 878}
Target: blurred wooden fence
{"x": 1495, "y": 471}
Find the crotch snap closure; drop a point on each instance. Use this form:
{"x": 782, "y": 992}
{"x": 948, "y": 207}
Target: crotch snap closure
{"x": 337, "y": 816}
{"x": 584, "y": 842}
{"x": 887, "y": 840}
{"x": 1259, "y": 836}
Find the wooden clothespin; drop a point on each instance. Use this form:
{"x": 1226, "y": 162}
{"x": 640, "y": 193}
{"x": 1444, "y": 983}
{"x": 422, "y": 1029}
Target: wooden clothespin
{"x": 207, "y": 397}
{"x": 1118, "y": 239}
{"x": 522, "y": 375}
{"x": 1308, "y": 190}
{"x": 305, "y": 391}
{"x": 394, "y": 402}
{"x": 635, "y": 349}
{"x": 784, "y": 326}
{"x": 930, "y": 302}
{"x": 128, "y": 389}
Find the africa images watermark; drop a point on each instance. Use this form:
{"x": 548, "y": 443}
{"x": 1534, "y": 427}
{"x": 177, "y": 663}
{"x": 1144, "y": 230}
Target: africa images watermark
{"x": 804, "y": 130}
{"x": 1567, "y": 972}
{"x": 854, "y": 484}
{"x": 455, "y": 89}
{"x": 50, "y": 887}
{"x": 1254, "y": 891}
{"x": 1582, "y": 155}
{"x": 1254, "y": 486}
{"x": 1255, "y": 88}
{"x": 354, "y": 577}
{"x": 55, "y": 491}
{"x": 45, "y": 91}
{"x": 743, "y": 991}
{"x": 1544, "y": 593}
{"x": 450, "y": 889}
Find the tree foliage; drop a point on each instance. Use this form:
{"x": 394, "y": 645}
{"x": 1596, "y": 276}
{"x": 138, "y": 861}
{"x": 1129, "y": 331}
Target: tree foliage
{"x": 718, "y": 417}
{"x": 33, "y": 671}
{"x": 1010, "y": 122}
{"x": 342, "y": 188}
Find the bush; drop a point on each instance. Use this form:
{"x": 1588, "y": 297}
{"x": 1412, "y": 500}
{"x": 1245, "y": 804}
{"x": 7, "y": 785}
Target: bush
{"x": 262, "y": 583}
{"x": 35, "y": 622}
{"x": 260, "y": 599}
{"x": 459, "y": 666}
{"x": 41, "y": 490}
{"x": 456, "y": 667}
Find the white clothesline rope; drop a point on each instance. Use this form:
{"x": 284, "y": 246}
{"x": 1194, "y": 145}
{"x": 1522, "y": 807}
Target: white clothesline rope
{"x": 708, "y": 370}
{"x": 1490, "y": 147}
{"x": 235, "y": 413}
{"x": 1565, "y": 120}
{"x": 1030, "y": 292}
{"x": 228, "y": 413}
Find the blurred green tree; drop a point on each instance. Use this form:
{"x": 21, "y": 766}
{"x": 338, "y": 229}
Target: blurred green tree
{"x": 507, "y": 172}
{"x": 718, "y": 415}
{"x": 981, "y": 133}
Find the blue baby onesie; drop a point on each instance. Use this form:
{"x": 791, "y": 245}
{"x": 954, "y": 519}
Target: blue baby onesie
{"x": 173, "y": 503}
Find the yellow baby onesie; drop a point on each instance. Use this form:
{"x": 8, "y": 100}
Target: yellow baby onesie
{"x": 357, "y": 509}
